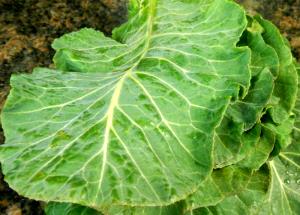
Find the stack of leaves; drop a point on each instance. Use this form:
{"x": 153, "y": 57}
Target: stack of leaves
{"x": 190, "y": 108}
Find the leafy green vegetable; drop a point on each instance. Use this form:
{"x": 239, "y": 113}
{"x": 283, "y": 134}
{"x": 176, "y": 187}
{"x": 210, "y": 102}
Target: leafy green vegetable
{"x": 185, "y": 110}
{"x": 246, "y": 201}
{"x": 54, "y": 208}
{"x": 222, "y": 183}
{"x": 284, "y": 191}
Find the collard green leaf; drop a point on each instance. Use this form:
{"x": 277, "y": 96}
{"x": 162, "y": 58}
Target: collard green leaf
{"x": 284, "y": 191}
{"x": 271, "y": 68}
{"x": 222, "y": 183}
{"x": 173, "y": 209}
{"x": 90, "y": 51}
{"x": 263, "y": 55}
{"x": 246, "y": 201}
{"x": 232, "y": 144}
{"x": 236, "y": 135}
{"x": 282, "y": 131}
{"x": 264, "y": 70}
{"x": 133, "y": 123}
{"x": 57, "y": 208}
{"x": 258, "y": 154}
{"x": 286, "y": 82}
{"x": 249, "y": 110}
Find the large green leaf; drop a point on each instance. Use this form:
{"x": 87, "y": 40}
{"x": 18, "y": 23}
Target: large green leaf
{"x": 223, "y": 183}
{"x": 133, "y": 124}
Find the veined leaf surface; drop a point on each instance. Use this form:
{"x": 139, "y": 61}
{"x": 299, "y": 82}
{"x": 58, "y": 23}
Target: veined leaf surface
{"x": 223, "y": 183}
{"x": 237, "y": 134}
{"x": 246, "y": 201}
{"x": 55, "y": 208}
{"x": 284, "y": 191}
{"x": 287, "y": 80}
{"x": 133, "y": 123}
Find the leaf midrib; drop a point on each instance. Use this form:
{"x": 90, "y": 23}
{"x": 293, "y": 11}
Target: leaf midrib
{"x": 117, "y": 92}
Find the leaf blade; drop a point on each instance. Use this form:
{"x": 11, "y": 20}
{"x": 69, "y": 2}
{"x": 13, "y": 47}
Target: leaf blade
{"x": 134, "y": 106}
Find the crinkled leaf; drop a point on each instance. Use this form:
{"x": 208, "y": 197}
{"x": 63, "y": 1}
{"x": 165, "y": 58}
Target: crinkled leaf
{"x": 264, "y": 69}
{"x": 246, "y": 201}
{"x": 282, "y": 131}
{"x": 258, "y": 154}
{"x": 271, "y": 60}
{"x": 249, "y": 110}
{"x": 222, "y": 183}
{"x": 284, "y": 190}
{"x": 286, "y": 82}
{"x": 232, "y": 143}
{"x": 133, "y": 123}
{"x": 263, "y": 55}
